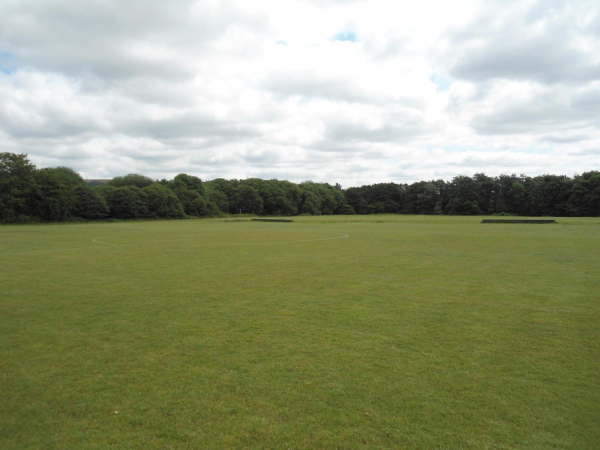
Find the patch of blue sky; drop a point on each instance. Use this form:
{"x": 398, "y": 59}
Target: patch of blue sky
{"x": 281, "y": 42}
{"x": 7, "y": 62}
{"x": 347, "y": 36}
{"x": 442, "y": 82}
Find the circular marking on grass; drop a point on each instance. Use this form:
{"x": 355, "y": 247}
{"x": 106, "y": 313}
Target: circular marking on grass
{"x": 325, "y": 239}
{"x": 97, "y": 241}
{"x": 161, "y": 243}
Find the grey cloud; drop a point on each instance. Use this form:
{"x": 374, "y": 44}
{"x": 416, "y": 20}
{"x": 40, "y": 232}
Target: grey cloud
{"x": 540, "y": 43}
{"x": 311, "y": 84}
{"x": 111, "y": 87}
{"x": 281, "y": 174}
{"x": 547, "y": 60}
{"x": 344, "y": 88}
{"x": 397, "y": 129}
{"x": 587, "y": 151}
{"x": 263, "y": 158}
{"x": 545, "y": 112}
{"x": 149, "y": 91}
{"x": 484, "y": 160}
{"x": 360, "y": 133}
{"x": 24, "y": 114}
{"x": 114, "y": 39}
{"x": 566, "y": 138}
{"x": 587, "y": 101}
{"x": 391, "y": 49}
{"x": 337, "y": 147}
{"x": 190, "y": 124}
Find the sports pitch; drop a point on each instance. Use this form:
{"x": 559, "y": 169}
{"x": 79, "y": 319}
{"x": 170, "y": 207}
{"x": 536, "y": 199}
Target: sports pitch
{"x": 328, "y": 332}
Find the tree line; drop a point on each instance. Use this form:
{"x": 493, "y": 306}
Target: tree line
{"x": 544, "y": 195}
{"x": 61, "y": 194}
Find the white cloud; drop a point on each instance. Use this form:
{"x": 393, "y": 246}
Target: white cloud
{"x": 233, "y": 89}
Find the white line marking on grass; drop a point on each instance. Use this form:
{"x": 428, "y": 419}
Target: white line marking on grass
{"x": 103, "y": 243}
{"x": 97, "y": 241}
{"x": 53, "y": 250}
{"x": 114, "y": 245}
{"x": 325, "y": 239}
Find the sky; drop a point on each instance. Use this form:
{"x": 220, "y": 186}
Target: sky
{"x": 338, "y": 91}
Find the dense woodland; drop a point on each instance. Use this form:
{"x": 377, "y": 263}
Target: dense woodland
{"x": 28, "y": 194}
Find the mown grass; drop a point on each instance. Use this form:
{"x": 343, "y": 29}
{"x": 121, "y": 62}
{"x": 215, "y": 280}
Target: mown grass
{"x": 412, "y": 332}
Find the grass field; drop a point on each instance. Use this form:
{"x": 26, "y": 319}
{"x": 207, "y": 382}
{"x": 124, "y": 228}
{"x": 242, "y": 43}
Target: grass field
{"x": 329, "y": 332}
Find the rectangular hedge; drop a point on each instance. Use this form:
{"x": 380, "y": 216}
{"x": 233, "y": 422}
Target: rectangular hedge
{"x": 516, "y": 221}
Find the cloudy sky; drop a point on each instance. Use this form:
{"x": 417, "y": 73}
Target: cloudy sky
{"x": 344, "y": 91}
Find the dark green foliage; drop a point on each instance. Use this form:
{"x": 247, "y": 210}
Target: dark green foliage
{"x": 465, "y": 198}
{"x": 378, "y": 198}
{"x": 55, "y": 198}
{"x": 162, "y": 202}
{"x": 356, "y": 199}
{"x": 321, "y": 198}
{"x": 133, "y": 179}
{"x": 17, "y": 185}
{"x": 193, "y": 203}
{"x": 461, "y": 207}
{"x": 510, "y": 194}
{"x": 188, "y": 182}
{"x": 486, "y": 187}
{"x": 229, "y": 189}
{"x": 345, "y": 209}
{"x": 280, "y": 198}
{"x": 585, "y": 195}
{"x": 421, "y": 198}
{"x": 90, "y": 205}
{"x": 67, "y": 176}
{"x": 248, "y": 201}
{"x": 549, "y": 195}
{"x": 127, "y": 202}
{"x": 97, "y": 183}
{"x": 311, "y": 204}
{"x": 218, "y": 199}
{"x": 57, "y": 194}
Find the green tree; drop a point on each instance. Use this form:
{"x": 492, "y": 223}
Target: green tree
{"x": 549, "y": 195}
{"x": 90, "y": 205}
{"x": 421, "y": 198}
{"x": 464, "y": 196}
{"x": 193, "y": 203}
{"x": 132, "y": 179}
{"x": 510, "y": 195}
{"x": 345, "y": 209}
{"x": 218, "y": 198}
{"x": 17, "y": 186}
{"x": 356, "y": 200}
{"x": 162, "y": 202}
{"x": 486, "y": 191}
{"x": 321, "y": 198}
{"x": 55, "y": 197}
{"x": 248, "y": 200}
{"x": 280, "y": 198}
{"x": 585, "y": 195}
{"x": 127, "y": 202}
{"x": 229, "y": 188}
{"x": 189, "y": 182}
{"x": 67, "y": 176}
{"x": 311, "y": 204}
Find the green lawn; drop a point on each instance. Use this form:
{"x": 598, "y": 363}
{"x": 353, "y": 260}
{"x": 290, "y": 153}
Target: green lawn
{"x": 329, "y": 332}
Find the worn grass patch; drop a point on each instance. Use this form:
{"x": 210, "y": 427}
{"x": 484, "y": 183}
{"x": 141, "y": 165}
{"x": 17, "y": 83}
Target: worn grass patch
{"x": 329, "y": 332}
